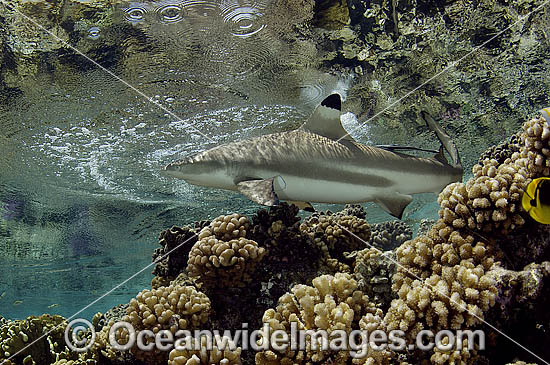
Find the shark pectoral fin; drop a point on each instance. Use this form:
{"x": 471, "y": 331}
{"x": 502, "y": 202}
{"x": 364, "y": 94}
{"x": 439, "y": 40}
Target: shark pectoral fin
{"x": 325, "y": 119}
{"x": 302, "y": 205}
{"x": 259, "y": 191}
{"x": 395, "y": 204}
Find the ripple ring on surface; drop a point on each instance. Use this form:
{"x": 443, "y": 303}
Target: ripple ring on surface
{"x": 135, "y": 14}
{"x": 170, "y": 13}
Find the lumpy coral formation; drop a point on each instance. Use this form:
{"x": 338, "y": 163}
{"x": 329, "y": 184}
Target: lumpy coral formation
{"x": 170, "y": 308}
{"x": 171, "y": 258}
{"x": 223, "y": 257}
{"x": 490, "y": 202}
{"x": 447, "y": 278}
{"x": 332, "y": 303}
{"x": 336, "y": 233}
{"x": 202, "y": 352}
{"x": 373, "y": 270}
{"x": 389, "y": 235}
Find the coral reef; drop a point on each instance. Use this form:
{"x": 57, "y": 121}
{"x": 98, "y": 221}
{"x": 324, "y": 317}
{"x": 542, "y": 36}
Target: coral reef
{"x": 332, "y": 303}
{"x": 166, "y": 308}
{"x": 171, "y": 258}
{"x": 278, "y": 231}
{"x": 536, "y": 149}
{"x": 451, "y": 276}
{"x": 373, "y": 270}
{"x": 482, "y": 265}
{"x": 16, "y": 335}
{"x": 490, "y": 202}
{"x": 520, "y": 311}
{"x": 208, "y": 355}
{"x": 445, "y": 279}
{"x": 223, "y": 257}
{"x": 335, "y": 233}
{"x": 389, "y": 235}
{"x": 502, "y": 151}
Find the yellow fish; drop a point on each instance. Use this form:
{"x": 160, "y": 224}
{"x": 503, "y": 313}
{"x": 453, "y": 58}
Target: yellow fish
{"x": 546, "y": 114}
{"x": 536, "y": 200}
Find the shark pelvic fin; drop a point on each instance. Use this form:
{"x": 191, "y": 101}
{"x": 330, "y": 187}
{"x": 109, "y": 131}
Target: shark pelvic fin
{"x": 394, "y": 205}
{"x": 303, "y": 205}
{"x": 325, "y": 119}
{"x": 259, "y": 191}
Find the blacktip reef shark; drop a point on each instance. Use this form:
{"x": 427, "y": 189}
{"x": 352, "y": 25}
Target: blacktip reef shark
{"x": 319, "y": 162}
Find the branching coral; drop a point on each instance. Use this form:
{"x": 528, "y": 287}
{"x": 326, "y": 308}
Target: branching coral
{"x": 442, "y": 282}
{"x": 356, "y": 210}
{"x": 332, "y": 303}
{"x": 536, "y": 149}
{"x": 18, "y": 334}
{"x": 223, "y": 257}
{"x": 503, "y": 151}
{"x": 490, "y": 202}
{"x": 204, "y": 353}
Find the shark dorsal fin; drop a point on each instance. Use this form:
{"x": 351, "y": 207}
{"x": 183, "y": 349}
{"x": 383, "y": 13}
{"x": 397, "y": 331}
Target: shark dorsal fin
{"x": 325, "y": 119}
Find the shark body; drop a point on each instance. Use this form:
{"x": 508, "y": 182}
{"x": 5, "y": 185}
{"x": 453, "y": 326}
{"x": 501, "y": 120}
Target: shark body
{"x": 319, "y": 162}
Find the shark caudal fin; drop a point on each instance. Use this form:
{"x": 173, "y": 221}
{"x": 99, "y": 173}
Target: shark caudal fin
{"x": 445, "y": 139}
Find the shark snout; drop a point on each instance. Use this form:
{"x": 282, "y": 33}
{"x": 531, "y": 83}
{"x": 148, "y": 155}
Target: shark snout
{"x": 175, "y": 169}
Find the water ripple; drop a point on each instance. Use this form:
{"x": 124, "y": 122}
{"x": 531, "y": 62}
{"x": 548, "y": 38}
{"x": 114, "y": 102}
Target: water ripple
{"x": 244, "y": 20}
{"x": 170, "y": 13}
{"x": 135, "y": 13}
{"x": 93, "y": 33}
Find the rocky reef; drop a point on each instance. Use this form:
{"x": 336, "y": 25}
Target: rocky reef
{"x": 484, "y": 265}
{"x": 494, "y": 56}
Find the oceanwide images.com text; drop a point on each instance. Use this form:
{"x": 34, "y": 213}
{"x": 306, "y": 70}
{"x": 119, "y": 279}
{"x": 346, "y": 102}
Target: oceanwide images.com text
{"x": 357, "y": 342}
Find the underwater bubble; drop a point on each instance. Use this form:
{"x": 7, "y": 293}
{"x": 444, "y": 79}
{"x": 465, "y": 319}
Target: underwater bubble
{"x": 93, "y": 33}
{"x": 135, "y": 14}
{"x": 170, "y": 13}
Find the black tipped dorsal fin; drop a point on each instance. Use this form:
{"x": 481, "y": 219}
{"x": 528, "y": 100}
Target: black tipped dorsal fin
{"x": 325, "y": 119}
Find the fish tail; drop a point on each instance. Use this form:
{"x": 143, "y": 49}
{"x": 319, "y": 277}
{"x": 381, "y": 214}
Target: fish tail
{"x": 444, "y": 138}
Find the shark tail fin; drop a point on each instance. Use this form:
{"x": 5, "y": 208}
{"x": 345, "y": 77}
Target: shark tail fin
{"x": 445, "y": 139}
